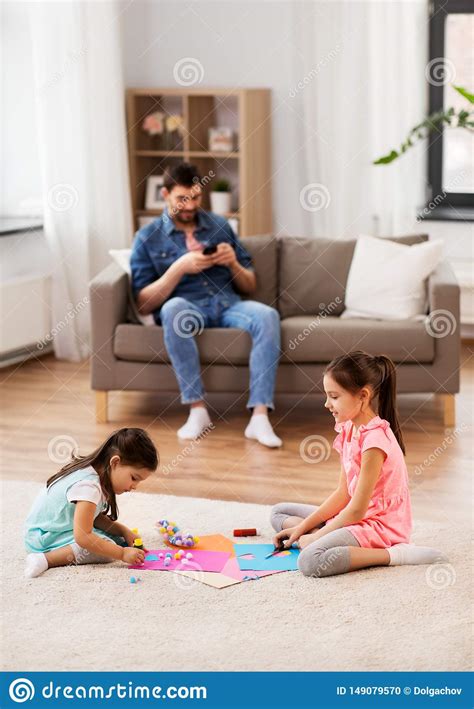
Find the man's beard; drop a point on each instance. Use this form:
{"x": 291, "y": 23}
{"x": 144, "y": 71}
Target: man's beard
{"x": 186, "y": 216}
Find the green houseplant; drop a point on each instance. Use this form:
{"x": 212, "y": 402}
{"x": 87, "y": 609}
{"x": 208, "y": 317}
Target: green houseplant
{"x": 221, "y": 197}
{"x": 435, "y": 122}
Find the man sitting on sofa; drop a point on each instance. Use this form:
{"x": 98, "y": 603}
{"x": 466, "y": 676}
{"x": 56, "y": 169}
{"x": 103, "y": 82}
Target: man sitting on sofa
{"x": 188, "y": 269}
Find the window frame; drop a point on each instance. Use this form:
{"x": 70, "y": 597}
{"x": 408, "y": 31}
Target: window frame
{"x": 439, "y": 11}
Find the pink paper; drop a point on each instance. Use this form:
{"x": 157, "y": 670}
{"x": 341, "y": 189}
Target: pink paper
{"x": 201, "y": 561}
{"x": 232, "y": 569}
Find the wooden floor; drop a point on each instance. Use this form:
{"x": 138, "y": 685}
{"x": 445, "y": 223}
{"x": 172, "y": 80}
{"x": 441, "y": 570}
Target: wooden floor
{"x": 45, "y": 401}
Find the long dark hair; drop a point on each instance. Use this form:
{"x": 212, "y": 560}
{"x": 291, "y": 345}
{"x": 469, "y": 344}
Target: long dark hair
{"x": 133, "y": 445}
{"x": 358, "y": 369}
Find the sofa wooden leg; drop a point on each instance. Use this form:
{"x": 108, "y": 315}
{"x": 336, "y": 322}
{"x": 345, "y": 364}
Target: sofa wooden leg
{"x": 101, "y": 406}
{"x": 449, "y": 410}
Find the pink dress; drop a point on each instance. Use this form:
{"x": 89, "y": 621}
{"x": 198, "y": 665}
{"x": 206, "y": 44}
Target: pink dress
{"x": 388, "y": 518}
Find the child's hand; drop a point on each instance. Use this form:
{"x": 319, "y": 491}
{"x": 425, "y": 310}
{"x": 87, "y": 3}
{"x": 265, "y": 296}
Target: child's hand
{"x": 287, "y": 537}
{"x": 133, "y": 556}
{"x": 130, "y": 536}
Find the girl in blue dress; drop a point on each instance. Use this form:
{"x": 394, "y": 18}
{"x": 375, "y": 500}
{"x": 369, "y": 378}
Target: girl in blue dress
{"x": 74, "y": 519}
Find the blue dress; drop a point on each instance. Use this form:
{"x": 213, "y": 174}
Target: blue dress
{"x": 50, "y": 524}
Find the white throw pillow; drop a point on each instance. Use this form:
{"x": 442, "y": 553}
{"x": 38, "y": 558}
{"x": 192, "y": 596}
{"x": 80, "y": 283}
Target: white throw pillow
{"x": 388, "y": 280}
{"x": 122, "y": 257}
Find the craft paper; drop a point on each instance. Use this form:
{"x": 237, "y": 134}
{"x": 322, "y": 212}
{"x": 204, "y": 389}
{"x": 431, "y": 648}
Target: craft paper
{"x": 215, "y": 542}
{"x": 229, "y": 576}
{"x": 209, "y": 578}
{"x": 201, "y": 561}
{"x": 233, "y": 570}
{"x": 211, "y": 542}
{"x": 284, "y": 561}
{"x": 231, "y": 573}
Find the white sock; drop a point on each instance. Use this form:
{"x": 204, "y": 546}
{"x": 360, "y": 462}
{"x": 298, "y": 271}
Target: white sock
{"x": 401, "y": 554}
{"x": 260, "y": 429}
{"x": 35, "y": 565}
{"x": 198, "y": 421}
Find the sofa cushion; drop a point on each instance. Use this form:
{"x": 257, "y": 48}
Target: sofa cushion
{"x": 313, "y": 273}
{"x": 264, "y": 253}
{"x": 387, "y": 281}
{"x": 306, "y": 339}
{"x": 217, "y": 345}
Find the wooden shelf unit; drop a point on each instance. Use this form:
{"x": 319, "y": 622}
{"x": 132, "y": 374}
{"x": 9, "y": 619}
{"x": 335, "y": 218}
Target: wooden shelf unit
{"x": 248, "y": 167}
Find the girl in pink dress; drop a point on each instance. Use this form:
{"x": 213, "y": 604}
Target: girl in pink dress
{"x": 367, "y": 520}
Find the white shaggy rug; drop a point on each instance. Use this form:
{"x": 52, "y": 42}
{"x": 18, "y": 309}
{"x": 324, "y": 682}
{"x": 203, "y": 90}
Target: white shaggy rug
{"x": 92, "y": 618}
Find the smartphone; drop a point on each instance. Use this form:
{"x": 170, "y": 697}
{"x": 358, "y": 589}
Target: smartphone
{"x": 209, "y": 250}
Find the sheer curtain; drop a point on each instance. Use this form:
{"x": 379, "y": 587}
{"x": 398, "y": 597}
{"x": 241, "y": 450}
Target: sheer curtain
{"x": 359, "y": 87}
{"x": 82, "y": 143}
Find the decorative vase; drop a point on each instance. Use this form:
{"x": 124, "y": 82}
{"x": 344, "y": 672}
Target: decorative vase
{"x": 220, "y": 202}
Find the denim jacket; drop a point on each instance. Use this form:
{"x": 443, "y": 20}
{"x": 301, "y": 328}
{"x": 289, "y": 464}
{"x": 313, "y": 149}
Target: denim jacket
{"x": 158, "y": 244}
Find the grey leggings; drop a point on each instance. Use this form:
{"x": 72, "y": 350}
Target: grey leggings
{"x": 83, "y": 556}
{"x": 327, "y": 556}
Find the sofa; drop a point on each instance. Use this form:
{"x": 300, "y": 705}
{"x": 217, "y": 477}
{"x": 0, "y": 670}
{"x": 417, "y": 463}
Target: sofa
{"x": 305, "y": 279}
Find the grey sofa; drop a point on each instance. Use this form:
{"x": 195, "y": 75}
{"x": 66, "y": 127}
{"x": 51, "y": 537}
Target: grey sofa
{"x": 305, "y": 280}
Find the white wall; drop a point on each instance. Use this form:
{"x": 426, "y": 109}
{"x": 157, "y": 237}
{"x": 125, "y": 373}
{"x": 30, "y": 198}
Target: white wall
{"x": 246, "y": 43}
{"x": 239, "y": 43}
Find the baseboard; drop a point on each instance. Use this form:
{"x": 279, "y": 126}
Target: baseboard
{"x": 22, "y": 354}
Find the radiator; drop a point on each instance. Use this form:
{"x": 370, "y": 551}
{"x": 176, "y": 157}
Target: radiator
{"x": 25, "y": 317}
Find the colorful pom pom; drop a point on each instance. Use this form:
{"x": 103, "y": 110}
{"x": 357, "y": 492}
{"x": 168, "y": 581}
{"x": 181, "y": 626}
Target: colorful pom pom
{"x": 172, "y": 535}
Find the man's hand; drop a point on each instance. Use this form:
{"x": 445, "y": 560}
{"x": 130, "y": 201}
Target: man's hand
{"x": 225, "y": 256}
{"x": 194, "y": 262}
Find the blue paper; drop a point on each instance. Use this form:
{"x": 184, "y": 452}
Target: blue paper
{"x": 288, "y": 562}
{"x": 151, "y": 557}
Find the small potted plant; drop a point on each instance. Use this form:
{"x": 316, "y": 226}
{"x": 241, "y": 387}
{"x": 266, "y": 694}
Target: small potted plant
{"x": 221, "y": 197}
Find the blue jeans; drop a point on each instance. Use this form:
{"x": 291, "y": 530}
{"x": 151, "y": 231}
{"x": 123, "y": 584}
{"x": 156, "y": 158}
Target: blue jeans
{"x": 182, "y": 319}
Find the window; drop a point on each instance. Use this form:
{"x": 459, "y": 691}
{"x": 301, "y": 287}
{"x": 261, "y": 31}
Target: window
{"x": 451, "y": 153}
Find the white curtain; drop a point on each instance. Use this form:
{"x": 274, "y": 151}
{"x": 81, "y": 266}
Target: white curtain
{"x": 82, "y": 144}
{"x": 359, "y": 87}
